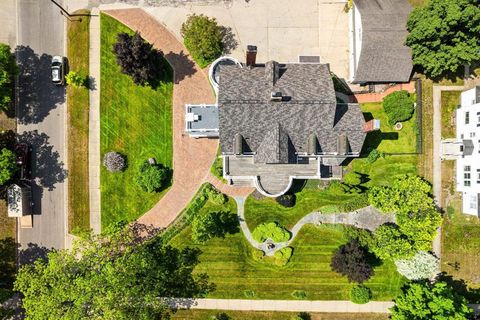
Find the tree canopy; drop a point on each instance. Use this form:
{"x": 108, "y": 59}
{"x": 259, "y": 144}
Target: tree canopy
{"x": 8, "y": 165}
{"x": 151, "y": 177}
{"x": 350, "y": 260}
{"x": 444, "y": 35}
{"x": 203, "y": 38}
{"x": 8, "y": 69}
{"x": 398, "y": 106}
{"x": 113, "y": 276}
{"x": 422, "y": 300}
{"x": 138, "y": 58}
{"x": 213, "y": 224}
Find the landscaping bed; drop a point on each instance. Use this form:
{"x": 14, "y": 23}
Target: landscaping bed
{"x": 136, "y": 121}
{"x": 78, "y": 115}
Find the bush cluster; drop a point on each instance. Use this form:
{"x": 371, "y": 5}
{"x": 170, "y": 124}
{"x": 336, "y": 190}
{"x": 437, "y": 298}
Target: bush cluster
{"x": 203, "y": 38}
{"x": 76, "y": 80}
{"x": 270, "y": 230}
{"x": 374, "y": 155}
{"x": 215, "y": 196}
{"x": 213, "y": 224}
{"x": 360, "y": 294}
{"x": 398, "y": 106}
{"x": 282, "y": 256}
{"x": 286, "y": 200}
{"x": 350, "y": 260}
{"x": 114, "y": 161}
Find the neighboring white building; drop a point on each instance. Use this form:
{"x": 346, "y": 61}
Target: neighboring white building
{"x": 468, "y": 159}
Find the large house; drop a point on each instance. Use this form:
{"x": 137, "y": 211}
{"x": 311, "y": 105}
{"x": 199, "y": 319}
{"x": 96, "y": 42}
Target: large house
{"x": 466, "y": 150}
{"x": 378, "y": 50}
{"x": 279, "y": 122}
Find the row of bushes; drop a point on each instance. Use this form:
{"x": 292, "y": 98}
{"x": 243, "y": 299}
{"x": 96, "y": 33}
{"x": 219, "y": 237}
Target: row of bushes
{"x": 279, "y": 258}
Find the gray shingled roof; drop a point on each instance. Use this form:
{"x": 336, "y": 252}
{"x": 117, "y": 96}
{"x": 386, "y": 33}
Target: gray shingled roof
{"x": 384, "y": 57}
{"x": 275, "y": 130}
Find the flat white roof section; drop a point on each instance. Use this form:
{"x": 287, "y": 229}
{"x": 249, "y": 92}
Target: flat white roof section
{"x": 201, "y": 120}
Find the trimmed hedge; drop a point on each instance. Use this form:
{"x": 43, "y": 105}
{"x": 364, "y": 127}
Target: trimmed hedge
{"x": 398, "y": 106}
{"x": 271, "y": 230}
{"x": 282, "y": 256}
{"x": 360, "y": 294}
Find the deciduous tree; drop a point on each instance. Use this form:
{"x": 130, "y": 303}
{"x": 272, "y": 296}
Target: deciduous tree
{"x": 213, "y": 224}
{"x": 422, "y": 300}
{"x": 444, "y": 35}
{"x": 422, "y": 266}
{"x": 111, "y": 276}
{"x": 350, "y": 260}
{"x": 8, "y": 70}
{"x": 8, "y": 165}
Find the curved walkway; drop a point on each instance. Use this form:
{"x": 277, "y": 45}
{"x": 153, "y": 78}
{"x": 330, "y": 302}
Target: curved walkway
{"x": 192, "y": 158}
{"x": 366, "y": 218}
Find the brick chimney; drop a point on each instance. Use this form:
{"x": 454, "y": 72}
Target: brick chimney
{"x": 251, "y": 56}
{"x": 372, "y": 125}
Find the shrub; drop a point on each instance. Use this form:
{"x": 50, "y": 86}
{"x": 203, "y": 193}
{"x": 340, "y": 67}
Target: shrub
{"x": 213, "y": 224}
{"x": 282, "y": 256}
{"x": 360, "y": 294}
{"x": 151, "y": 177}
{"x": 398, "y": 106}
{"x": 114, "y": 161}
{"x": 249, "y": 293}
{"x": 270, "y": 230}
{"x": 299, "y": 294}
{"x": 76, "y": 80}
{"x": 203, "y": 38}
{"x": 8, "y": 165}
{"x": 257, "y": 255}
{"x": 220, "y": 316}
{"x": 373, "y": 156}
{"x": 423, "y": 265}
{"x": 286, "y": 200}
{"x": 138, "y": 59}
{"x": 301, "y": 316}
{"x": 216, "y": 196}
{"x": 350, "y": 260}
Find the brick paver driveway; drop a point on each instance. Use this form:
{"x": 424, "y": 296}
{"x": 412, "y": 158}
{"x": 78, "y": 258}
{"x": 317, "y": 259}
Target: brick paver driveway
{"x": 192, "y": 158}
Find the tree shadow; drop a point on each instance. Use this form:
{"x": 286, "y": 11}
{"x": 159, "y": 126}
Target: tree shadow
{"x": 32, "y": 253}
{"x": 8, "y": 248}
{"x": 461, "y": 287}
{"x": 47, "y": 168}
{"x": 374, "y": 138}
{"x": 228, "y": 40}
{"x": 182, "y": 65}
{"x": 37, "y": 94}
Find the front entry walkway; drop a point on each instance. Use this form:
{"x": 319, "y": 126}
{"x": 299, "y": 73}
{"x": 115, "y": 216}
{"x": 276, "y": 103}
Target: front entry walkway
{"x": 192, "y": 158}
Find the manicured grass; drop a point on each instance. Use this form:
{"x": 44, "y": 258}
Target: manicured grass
{"x": 449, "y": 104}
{"x": 78, "y": 114}
{"x": 135, "y": 121}
{"x": 388, "y": 139}
{"x": 252, "y": 315}
{"x": 231, "y": 267}
{"x": 308, "y": 200}
{"x": 461, "y": 245}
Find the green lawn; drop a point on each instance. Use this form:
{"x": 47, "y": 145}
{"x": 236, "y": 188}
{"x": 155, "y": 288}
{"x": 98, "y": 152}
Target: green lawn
{"x": 135, "y": 121}
{"x": 309, "y": 199}
{"x": 78, "y": 110}
{"x": 257, "y": 315}
{"x": 449, "y": 104}
{"x": 8, "y": 251}
{"x": 388, "y": 139}
{"x": 230, "y": 266}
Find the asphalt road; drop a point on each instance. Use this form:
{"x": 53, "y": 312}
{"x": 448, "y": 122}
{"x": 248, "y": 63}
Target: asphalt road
{"x": 41, "y": 120}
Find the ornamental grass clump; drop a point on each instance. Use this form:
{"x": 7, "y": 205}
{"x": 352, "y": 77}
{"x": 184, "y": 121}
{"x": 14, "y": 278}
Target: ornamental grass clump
{"x": 114, "y": 161}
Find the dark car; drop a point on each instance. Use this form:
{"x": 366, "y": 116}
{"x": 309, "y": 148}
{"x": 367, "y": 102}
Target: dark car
{"x": 23, "y": 155}
{"x": 58, "y": 73}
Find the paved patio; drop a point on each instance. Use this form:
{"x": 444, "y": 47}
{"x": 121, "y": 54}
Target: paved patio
{"x": 192, "y": 158}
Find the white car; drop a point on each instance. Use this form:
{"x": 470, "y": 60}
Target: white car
{"x": 58, "y": 70}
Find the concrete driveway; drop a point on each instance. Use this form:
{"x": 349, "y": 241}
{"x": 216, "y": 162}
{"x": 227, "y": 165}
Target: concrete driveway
{"x": 281, "y": 29}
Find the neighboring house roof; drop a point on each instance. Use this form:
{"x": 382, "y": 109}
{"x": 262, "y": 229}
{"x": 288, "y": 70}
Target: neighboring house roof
{"x": 276, "y": 130}
{"x": 384, "y": 57}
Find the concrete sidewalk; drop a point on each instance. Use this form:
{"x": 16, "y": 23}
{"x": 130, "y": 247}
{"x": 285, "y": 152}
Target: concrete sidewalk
{"x": 94, "y": 123}
{"x": 282, "y": 305}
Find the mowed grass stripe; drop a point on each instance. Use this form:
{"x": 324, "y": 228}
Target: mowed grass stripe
{"x": 135, "y": 121}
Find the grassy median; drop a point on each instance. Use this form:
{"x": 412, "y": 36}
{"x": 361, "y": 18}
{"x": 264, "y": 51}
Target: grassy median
{"x": 136, "y": 121}
{"x": 78, "y": 109}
